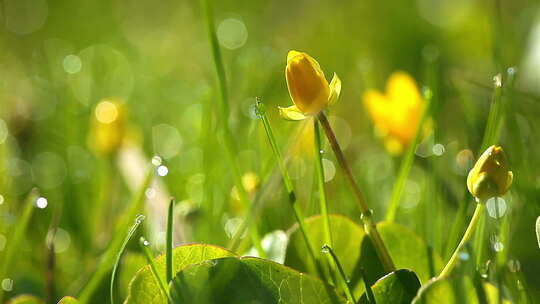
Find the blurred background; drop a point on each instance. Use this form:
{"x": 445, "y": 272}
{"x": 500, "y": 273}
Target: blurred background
{"x": 93, "y": 93}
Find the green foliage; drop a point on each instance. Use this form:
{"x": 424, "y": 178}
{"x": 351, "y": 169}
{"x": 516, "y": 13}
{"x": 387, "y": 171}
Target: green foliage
{"x": 354, "y": 251}
{"x": 398, "y": 287}
{"x": 247, "y": 280}
{"x": 144, "y": 287}
{"x": 456, "y": 290}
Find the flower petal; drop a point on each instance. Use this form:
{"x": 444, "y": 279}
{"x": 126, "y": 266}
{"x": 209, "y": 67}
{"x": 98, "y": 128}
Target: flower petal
{"x": 335, "y": 90}
{"x": 291, "y": 113}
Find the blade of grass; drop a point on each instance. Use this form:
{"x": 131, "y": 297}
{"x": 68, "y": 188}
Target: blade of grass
{"x": 407, "y": 161}
{"x": 138, "y": 221}
{"x": 107, "y": 259}
{"x": 143, "y": 243}
{"x": 289, "y": 187}
{"x": 370, "y": 226}
{"x": 169, "y": 244}
{"x": 345, "y": 281}
{"x": 17, "y": 235}
{"x": 225, "y": 133}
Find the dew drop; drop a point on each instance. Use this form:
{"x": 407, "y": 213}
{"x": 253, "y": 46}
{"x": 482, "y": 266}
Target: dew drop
{"x": 438, "y": 149}
{"x": 497, "y": 81}
{"x": 146, "y": 243}
{"x": 496, "y": 207}
{"x": 150, "y": 193}
{"x": 1, "y": 199}
{"x": 7, "y": 284}
{"x": 41, "y": 203}
{"x": 139, "y": 219}
{"x": 162, "y": 170}
{"x": 325, "y": 249}
{"x": 514, "y": 265}
{"x": 156, "y": 161}
{"x": 464, "y": 256}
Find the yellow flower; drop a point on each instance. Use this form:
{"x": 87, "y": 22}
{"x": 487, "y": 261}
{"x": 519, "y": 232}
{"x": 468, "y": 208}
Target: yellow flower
{"x": 308, "y": 87}
{"x": 107, "y": 128}
{"x": 397, "y": 113}
{"x": 490, "y": 176}
{"x": 251, "y": 183}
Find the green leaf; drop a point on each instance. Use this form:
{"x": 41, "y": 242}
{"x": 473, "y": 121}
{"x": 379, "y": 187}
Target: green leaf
{"x": 248, "y": 280}
{"x": 68, "y": 300}
{"x": 347, "y": 239}
{"x": 407, "y": 250}
{"x": 144, "y": 287}
{"x": 354, "y": 251}
{"x": 397, "y": 287}
{"x": 455, "y": 290}
{"x": 25, "y": 299}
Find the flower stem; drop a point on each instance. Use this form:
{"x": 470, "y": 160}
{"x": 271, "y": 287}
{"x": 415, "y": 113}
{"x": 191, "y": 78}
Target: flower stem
{"x": 369, "y": 225}
{"x": 466, "y": 237}
{"x": 320, "y": 183}
{"x": 288, "y": 183}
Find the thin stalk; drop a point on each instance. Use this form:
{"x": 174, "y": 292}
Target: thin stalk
{"x": 143, "y": 243}
{"x": 225, "y": 133}
{"x": 345, "y": 281}
{"x": 407, "y": 162}
{"x": 131, "y": 231}
{"x": 466, "y": 237}
{"x": 286, "y": 181}
{"x": 369, "y": 291}
{"x": 320, "y": 184}
{"x": 169, "y": 244}
{"x": 17, "y": 235}
{"x": 369, "y": 225}
{"x": 107, "y": 260}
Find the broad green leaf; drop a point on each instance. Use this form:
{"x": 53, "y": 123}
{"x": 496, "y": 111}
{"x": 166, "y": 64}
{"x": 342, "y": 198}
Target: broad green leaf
{"x": 144, "y": 287}
{"x": 26, "y": 299}
{"x": 407, "y": 250}
{"x": 248, "y": 280}
{"x": 354, "y": 251}
{"x": 131, "y": 263}
{"x": 397, "y": 287}
{"x": 456, "y": 290}
{"x": 347, "y": 238}
{"x": 68, "y": 300}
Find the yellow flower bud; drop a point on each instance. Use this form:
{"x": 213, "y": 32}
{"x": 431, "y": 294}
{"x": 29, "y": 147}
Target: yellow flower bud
{"x": 490, "y": 176}
{"x": 107, "y": 126}
{"x": 309, "y": 89}
{"x": 307, "y": 85}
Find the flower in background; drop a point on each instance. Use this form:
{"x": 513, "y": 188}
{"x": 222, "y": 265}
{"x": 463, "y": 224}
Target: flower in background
{"x": 107, "y": 127}
{"x": 397, "y": 113}
{"x": 490, "y": 176}
{"x": 251, "y": 183}
{"x": 308, "y": 87}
